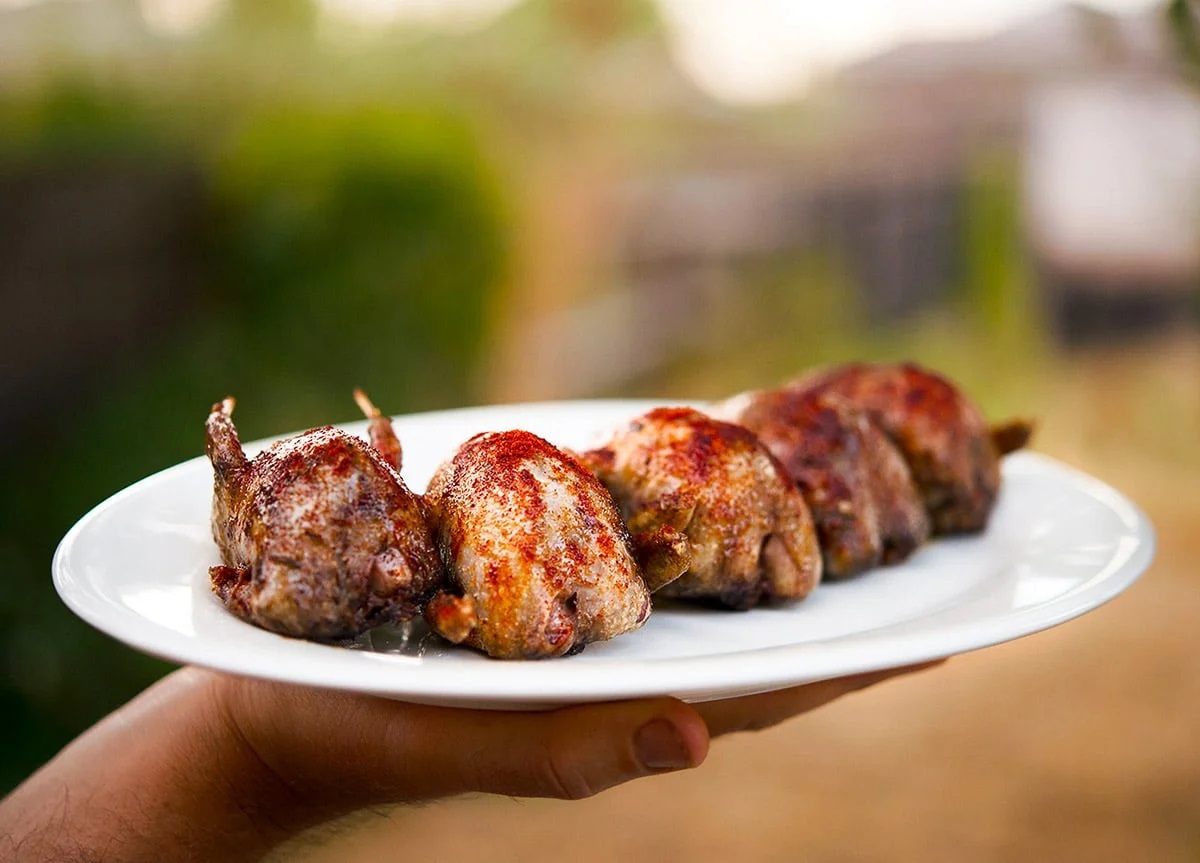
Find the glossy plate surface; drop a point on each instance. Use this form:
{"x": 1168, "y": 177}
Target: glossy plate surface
{"x": 1060, "y": 543}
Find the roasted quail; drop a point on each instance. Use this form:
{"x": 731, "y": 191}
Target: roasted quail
{"x": 854, "y": 480}
{"x": 953, "y": 455}
{"x": 319, "y": 537}
{"x": 704, "y": 498}
{"x": 538, "y": 560}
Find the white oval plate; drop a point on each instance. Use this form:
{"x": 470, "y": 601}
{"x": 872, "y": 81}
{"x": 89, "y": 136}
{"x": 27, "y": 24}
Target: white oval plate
{"x": 1060, "y": 543}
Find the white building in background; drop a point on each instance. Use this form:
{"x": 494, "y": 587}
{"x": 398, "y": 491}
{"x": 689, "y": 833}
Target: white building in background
{"x": 1112, "y": 183}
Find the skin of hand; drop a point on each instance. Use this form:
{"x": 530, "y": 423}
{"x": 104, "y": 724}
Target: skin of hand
{"x": 221, "y": 768}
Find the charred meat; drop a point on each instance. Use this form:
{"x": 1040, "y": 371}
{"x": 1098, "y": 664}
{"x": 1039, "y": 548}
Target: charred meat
{"x": 952, "y": 453}
{"x": 319, "y": 537}
{"x": 538, "y": 561}
{"x": 854, "y": 480}
{"x": 713, "y": 514}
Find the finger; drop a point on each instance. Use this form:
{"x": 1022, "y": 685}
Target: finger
{"x": 755, "y": 712}
{"x": 569, "y": 753}
{"x": 349, "y": 751}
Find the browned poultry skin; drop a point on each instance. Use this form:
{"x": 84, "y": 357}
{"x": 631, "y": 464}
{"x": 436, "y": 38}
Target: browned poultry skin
{"x": 855, "y": 482}
{"x": 942, "y": 434}
{"x": 318, "y": 535}
{"x": 681, "y": 477}
{"x": 537, "y": 556}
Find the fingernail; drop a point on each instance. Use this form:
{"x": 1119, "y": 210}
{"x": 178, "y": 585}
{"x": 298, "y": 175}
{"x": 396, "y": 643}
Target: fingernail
{"x": 659, "y": 746}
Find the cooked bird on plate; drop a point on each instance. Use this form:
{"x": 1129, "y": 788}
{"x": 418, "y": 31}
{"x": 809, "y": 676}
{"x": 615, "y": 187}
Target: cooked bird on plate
{"x": 704, "y": 498}
{"x": 537, "y": 558}
{"x": 319, "y": 537}
{"x": 522, "y": 550}
{"x": 854, "y": 480}
{"x": 953, "y": 455}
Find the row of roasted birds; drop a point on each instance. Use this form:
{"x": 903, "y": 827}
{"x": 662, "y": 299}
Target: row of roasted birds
{"x": 524, "y": 550}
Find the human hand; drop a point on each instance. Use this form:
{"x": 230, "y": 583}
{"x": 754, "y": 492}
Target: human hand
{"x": 217, "y": 767}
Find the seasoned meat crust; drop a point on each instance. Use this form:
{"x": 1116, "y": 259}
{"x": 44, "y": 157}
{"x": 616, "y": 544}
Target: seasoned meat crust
{"x": 854, "y": 480}
{"x": 319, "y": 537}
{"x": 522, "y": 550}
{"x": 704, "y": 498}
{"x": 943, "y": 435}
{"x": 538, "y": 560}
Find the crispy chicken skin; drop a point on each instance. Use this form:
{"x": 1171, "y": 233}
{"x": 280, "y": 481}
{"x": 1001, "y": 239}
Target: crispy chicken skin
{"x": 704, "y": 498}
{"x": 953, "y": 455}
{"x": 538, "y": 560}
{"x": 854, "y": 480}
{"x": 319, "y": 537}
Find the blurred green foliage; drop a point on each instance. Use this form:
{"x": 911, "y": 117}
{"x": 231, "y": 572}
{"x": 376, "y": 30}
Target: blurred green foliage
{"x": 1181, "y": 22}
{"x": 73, "y": 120}
{"x": 360, "y": 248}
{"x": 335, "y": 247}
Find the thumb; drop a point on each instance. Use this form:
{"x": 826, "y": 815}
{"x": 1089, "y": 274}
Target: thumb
{"x": 338, "y": 751}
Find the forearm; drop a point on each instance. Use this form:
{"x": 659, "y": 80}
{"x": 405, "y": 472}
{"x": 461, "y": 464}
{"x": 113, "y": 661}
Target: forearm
{"x": 164, "y": 772}
{"x": 210, "y": 767}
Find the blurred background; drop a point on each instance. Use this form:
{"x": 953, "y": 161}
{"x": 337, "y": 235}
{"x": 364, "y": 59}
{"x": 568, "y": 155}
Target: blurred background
{"x": 474, "y": 201}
